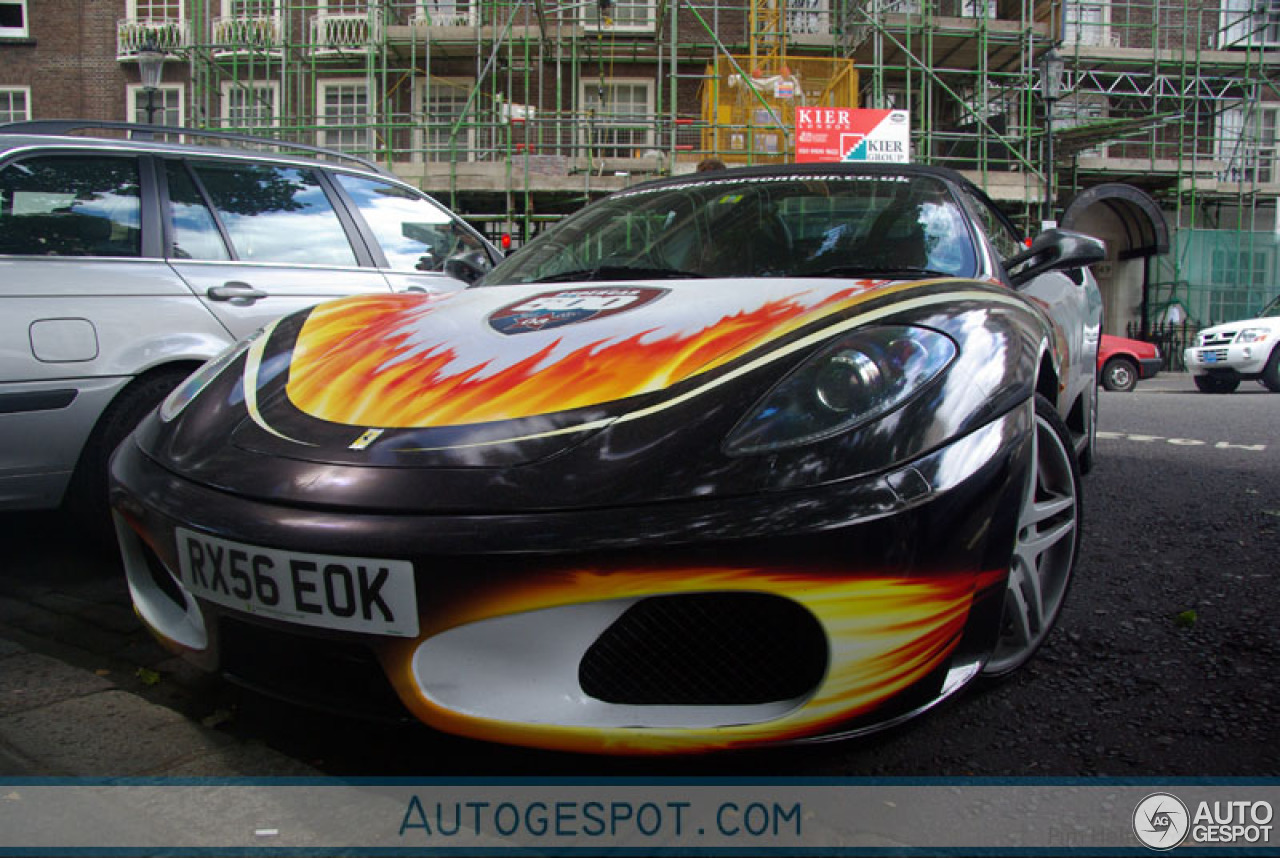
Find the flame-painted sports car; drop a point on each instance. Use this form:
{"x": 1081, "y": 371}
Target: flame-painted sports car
{"x": 752, "y": 456}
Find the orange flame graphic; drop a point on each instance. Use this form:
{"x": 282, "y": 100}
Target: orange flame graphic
{"x": 885, "y": 633}
{"x": 354, "y": 363}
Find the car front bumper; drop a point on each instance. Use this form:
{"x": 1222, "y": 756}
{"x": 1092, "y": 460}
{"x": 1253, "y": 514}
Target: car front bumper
{"x": 691, "y": 626}
{"x": 1245, "y": 360}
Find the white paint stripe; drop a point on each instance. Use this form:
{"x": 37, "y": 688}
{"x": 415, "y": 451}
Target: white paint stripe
{"x": 1179, "y": 442}
{"x": 252, "y": 364}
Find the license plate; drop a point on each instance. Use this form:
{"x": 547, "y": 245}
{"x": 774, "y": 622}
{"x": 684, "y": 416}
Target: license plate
{"x": 1210, "y": 357}
{"x": 357, "y": 594}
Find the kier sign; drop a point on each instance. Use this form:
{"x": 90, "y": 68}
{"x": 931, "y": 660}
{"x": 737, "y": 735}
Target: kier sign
{"x": 850, "y": 134}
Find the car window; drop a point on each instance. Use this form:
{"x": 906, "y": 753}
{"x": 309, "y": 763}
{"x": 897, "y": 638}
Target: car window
{"x": 71, "y": 206}
{"x": 413, "y": 232}
{"x": 719, "y": 224}
{"x": 275, "y": 213}
{"x": 195, "y": 233}
{"x": 1003, "y": 240}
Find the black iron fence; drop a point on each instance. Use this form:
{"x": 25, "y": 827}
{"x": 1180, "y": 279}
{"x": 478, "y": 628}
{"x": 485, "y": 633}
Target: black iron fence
{"x": 1171, "y": 337}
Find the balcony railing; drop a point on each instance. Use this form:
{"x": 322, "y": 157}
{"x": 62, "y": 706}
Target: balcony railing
{"x": 246, "y": 34}
{"x": 446, "y": 15}
{"x": 132, "y": 33}
{"x": 345, "y": 33}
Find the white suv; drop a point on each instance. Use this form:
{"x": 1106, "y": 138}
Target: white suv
{"x": 125, "y": 264}
{"x": 1225, "y": 354}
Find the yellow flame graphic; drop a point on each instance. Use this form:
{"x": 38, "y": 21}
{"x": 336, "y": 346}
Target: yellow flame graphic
{"x": 354, "y": 363}
{"x": 885, "y": 633}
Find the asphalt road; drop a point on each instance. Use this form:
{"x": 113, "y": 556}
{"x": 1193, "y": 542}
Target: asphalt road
{"x": 1162, "y": 665}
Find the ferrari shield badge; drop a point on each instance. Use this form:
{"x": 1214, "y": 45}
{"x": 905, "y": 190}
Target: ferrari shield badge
{"x": 569, "y": 307}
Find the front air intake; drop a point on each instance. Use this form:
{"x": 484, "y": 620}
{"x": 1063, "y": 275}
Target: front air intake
{"x": 707, "y": 649}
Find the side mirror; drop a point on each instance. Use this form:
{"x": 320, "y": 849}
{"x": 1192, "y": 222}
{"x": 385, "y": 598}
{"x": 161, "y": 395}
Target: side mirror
{"x": 1055, "y": 250}
{"x": 469, "y": 267}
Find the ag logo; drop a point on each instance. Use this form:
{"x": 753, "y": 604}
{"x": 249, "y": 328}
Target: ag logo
{"x": 1161, "y": 821}
{"x": 570, "y": 306}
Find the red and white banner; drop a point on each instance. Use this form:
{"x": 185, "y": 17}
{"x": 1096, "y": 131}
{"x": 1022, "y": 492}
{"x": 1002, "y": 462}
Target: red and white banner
{"x": 852, "y": 134}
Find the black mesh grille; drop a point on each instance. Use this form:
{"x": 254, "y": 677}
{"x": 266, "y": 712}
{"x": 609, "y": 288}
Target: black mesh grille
{"x": 707, "y": 649}
{"x": 332, "y": 675}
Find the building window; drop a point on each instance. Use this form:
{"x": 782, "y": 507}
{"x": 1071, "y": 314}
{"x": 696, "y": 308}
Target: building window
{"x": 441, "y": 102}
{"x": 619, "y": 15}
{"x": 978, "y": 9}
{"x": 447, "y": 13}
{"x": 345, "y": 25}
{"x": 808, "y": 17}
{"x": 247, "y": 26}
{"x": 15, "y": 104}
{"x": 13, "y": 18}
{"x": 251, "y": 8}
{"x": 901, "y": 7}
{"x": 618, "y": 114}
{"x": 1249, "y": 24}
{"x": 1087, "y": 23}
{"x": 156, "y": 21}
{"x": 344, "y": 113}
{"x": 166, "y": 102}
{"x": 250, "y": 107}
{"x": 1246, "y": 143}
{"x": 155, "y": 10}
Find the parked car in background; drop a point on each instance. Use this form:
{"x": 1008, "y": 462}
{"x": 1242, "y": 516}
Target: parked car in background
{"x": 743, "y": 457}
{"x": 128, "y": 263}
{"x": 1122, "y": 362}
{"x": 1225, "y": 355}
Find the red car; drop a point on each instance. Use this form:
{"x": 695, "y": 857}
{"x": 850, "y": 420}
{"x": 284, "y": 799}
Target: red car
{"x": 1122, "y": 362}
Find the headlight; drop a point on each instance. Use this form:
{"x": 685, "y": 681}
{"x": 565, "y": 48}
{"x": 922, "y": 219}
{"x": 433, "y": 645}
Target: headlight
{"x": 184, "y": 393}
{"x": 857, "y": 379}
{"x": 1252, "y": 335}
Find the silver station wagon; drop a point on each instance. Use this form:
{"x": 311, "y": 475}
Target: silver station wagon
{"x": 127, "y": 263}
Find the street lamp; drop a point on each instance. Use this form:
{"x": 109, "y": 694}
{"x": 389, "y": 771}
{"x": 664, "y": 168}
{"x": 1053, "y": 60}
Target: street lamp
{"x": 150, "y": 69}
{"x": 1052, "y": 67}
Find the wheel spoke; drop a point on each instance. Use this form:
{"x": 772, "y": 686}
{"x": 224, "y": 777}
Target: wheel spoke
{"x": 1042, "y": 511}
{"x": 1030, "y": 597}
{"x": 1040, "y": 541}
{"x": 1018, "y": 613}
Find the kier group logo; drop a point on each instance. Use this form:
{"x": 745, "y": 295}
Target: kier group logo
{"x": 570, "y": 307}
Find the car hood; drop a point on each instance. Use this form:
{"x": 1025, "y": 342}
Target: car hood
{"x": 505, "y": 353}
{"x": 521, "y": 371}
{"x": 1271, "y": 323}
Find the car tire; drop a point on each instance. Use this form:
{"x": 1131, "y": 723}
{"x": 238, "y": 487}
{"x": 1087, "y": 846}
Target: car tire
{"x": 1089, "y": 454}
{"x": 1271, "y": 372}
{"x": 1216, "y": 383}
{"x": 1120, "y": 375}
{"x": 87, "y": 493}
{"x": 1046, "y": 545}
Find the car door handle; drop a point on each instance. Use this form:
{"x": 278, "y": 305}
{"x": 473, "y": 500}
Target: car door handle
{"x": 235, "y": 291}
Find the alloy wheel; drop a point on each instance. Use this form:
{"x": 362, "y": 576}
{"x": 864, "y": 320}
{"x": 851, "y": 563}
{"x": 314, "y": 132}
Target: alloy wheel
{"x": 1045, "y": 547}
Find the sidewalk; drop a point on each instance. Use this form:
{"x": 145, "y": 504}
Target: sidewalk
{"x": 84, "y": 690}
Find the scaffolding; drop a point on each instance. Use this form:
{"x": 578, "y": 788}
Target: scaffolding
{"x": 516, "y": 112}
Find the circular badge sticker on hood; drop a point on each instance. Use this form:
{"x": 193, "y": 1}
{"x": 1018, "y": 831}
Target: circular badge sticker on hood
{"x": 569, "y": 307}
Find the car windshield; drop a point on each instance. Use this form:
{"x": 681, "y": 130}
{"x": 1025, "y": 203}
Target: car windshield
{"x": 1272, "y": 309}
{"x": 720, "y": 225}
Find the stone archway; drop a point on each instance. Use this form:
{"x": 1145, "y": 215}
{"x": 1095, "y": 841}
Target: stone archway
{"x": 1134, "y": 228}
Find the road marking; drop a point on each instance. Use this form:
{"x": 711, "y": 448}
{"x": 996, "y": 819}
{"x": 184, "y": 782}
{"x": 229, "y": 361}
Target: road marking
{"x": 1180, "y": 442}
